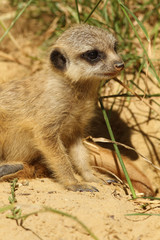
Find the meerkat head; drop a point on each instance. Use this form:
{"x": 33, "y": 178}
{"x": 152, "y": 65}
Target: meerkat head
{"x": 86, "y": 52}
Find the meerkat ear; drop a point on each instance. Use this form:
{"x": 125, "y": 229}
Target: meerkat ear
{"x": 58, "y": 59}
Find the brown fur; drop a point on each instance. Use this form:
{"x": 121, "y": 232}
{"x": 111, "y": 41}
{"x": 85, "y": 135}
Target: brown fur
{"x": 43, "y": 118}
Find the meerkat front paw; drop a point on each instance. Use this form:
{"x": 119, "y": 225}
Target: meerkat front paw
{"x": 82, "y": 188}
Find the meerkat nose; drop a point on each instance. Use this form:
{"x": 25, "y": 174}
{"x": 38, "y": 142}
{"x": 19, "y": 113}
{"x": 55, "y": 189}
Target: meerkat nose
{"x": 119, "y": 66}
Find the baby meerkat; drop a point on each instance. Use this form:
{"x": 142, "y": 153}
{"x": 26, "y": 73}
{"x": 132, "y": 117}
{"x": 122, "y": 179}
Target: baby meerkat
{"x": 43, "y": 118}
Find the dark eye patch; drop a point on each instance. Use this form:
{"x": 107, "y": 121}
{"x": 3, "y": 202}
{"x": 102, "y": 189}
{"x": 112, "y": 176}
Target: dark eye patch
{"x": 93, "y": 56}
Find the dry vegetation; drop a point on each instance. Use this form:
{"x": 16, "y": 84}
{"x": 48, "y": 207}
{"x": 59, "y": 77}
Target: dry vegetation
{"x": 135, "y": 120}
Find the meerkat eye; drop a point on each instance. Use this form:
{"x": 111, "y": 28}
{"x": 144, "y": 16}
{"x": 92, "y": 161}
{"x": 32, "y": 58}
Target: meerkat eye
{"x": 92, "y": 56}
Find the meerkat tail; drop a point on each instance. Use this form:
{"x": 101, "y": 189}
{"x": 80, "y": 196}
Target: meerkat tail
{"x": 7, "y": 169}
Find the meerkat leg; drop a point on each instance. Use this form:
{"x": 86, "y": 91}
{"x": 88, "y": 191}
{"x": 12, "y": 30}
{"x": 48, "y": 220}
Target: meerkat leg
{"x": 81, "y": 158}
{"x": 57, "y": 160}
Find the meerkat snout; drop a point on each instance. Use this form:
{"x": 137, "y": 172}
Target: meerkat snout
{"x": 119, "y": 66}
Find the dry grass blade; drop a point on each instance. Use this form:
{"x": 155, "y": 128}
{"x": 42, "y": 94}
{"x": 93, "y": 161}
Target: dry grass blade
{"x": 104, "y": 140}
{"x": 15, "y": 20}
{"x": 139, "y": 97}
{"x": 10, "y": 35}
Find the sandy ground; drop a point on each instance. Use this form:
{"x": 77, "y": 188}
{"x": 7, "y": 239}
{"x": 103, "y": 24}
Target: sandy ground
{"x": 103, "y": 212}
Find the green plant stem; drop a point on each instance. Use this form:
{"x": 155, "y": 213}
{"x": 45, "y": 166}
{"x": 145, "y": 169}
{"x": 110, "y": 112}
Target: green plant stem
{"x": 92, "y": 11}
{"x": 143, "y": 214}
{"x": 6, "y": 208}
{"x": 13, "y": 199}
{"x": 15, "y": 20}
{"x": 79, "y": 19}
{"x": 116, "y": 149}
{"x": 48, "y": 209}
{"x": 152, "y": 95}
{"x": 74, "y": 218}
